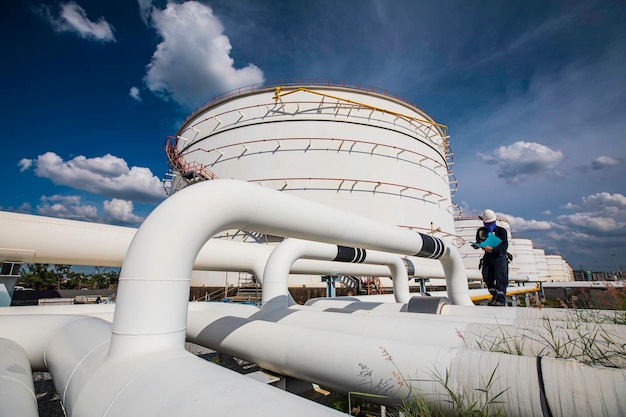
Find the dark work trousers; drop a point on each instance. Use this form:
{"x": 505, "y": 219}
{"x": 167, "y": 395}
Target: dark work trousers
{"x": 496, "y": 276}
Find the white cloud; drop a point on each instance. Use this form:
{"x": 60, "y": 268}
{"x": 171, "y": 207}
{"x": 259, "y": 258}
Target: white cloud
{"x": 107, "y": 165}
{"x": 522, "y": 159}
{"x": 145, "y": 8}
{"x": 67, "y": 207}
{"x": 193, "y": 60}
{"x": 107, "y": 176}
{"x": 115, "y": 211}
{"x": 22, "y": 208}
{"x": 120, "y": 212}
{"x": 595, "y": 225}
{"x": 591, "y": 222}
{"x": 600, "y": 201}
{"x": 73, "y": 18}
{"x": 25, "y": 164}
{"x": 519, "y": 224}
{"x": 134, "y": 93}
{"x": 601, "y": 213}
{"x": 603, "y": 162}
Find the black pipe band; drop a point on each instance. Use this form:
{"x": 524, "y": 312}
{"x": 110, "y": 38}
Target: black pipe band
{"x": 410, "y": 268}
{"x": 348, "y": 254}
{"x": 432, "y": 247}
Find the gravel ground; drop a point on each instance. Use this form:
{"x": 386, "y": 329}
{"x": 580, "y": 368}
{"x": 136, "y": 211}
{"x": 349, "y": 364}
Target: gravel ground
{"x": 49, "y": 401}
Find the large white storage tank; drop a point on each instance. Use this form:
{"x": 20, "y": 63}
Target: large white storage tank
{"x": 542, "y": 264}
{"x": 558, "y": 269}
{"x": 350, "y": 146}
{"x": 524, "y": 258}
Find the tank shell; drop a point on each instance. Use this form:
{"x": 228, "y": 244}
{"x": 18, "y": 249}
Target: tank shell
{"x": 524, "y": 257}
{"x": 350, "y": 148}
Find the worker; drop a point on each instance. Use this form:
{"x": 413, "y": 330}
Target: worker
{"x": 494, "y": 263}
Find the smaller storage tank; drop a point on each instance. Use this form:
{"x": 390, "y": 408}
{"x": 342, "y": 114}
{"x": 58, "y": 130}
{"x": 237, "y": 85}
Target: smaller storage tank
{"x": 559, "y": 269}
{"x": 524, "y": 257}
{"x": 541, "y": 263}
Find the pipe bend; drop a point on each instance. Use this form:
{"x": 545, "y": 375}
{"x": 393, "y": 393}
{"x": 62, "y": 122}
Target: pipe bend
{"x": 161, "y": 255}
{"x": 279, "y": 264}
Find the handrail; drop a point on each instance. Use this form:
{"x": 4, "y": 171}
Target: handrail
{"x": 318, "y": 82}
{"x": 429, "y": 124}
{"x": 280, "y": 94}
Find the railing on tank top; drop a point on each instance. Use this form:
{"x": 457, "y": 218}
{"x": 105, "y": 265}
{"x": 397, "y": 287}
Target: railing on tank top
{"x": 453, "y": 183}
{"x": 302, "y": 82}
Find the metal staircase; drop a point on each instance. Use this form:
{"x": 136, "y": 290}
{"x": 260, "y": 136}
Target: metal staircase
{"x": 248, "y": 290}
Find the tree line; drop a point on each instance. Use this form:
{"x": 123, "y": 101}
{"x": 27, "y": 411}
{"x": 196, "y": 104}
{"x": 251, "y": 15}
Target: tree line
{"x": 61, "y": 277}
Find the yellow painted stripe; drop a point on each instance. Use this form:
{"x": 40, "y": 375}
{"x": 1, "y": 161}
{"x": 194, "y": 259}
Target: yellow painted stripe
{"x": 514, "y": 291}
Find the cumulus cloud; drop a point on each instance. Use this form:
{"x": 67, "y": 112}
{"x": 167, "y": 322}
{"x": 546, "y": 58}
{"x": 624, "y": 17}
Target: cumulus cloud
{"x": 73, "y": 18}
{"x": 108, "y": 176}
{"x": 67, "y": 207}
{"x": 25, "y": 164}
{"x": 522, "y": 159}
{"x": 601, "y": 213}
{"x": 597, "y": 223}
{"x": 519, "y": 224}
{"x": 115, "y": 211}
{"x": 193, "y": 60}
{"x": 134, "y": 93}
{"x": 603, "y": 162}
{"x": 145, "y": 8}
{"x": 22, "y": 208}
{"x": 118, "y": 211}
{"x": 604, "y": 200}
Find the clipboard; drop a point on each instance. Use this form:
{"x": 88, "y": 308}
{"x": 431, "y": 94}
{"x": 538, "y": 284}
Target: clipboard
{"x": 491, "y": 241}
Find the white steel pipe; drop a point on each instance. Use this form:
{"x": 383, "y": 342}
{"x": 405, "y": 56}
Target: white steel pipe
{"x": 276, "y": 275}
{"x": 33, "y": 332}
{"x": 181, "y": 223}
{"x": 593, "y": 342}
{"x": 35, "y": 239}
{"x": 149, "y": 322}
{"x": 90, "y": 383}
{"x": 163, "y": 382}
{"x": 398, "y": 369}
{"x": 17, "y": 391}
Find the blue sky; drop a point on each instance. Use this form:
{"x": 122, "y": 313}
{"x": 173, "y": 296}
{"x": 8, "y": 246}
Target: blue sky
{"x": 533, "y": 94}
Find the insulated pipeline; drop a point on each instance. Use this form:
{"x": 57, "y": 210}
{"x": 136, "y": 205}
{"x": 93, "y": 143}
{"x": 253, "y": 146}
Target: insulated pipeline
{"x": 397, "y": 369}
{"x": 276, "y": 274}
{"x": 17, "y": 391}
{"x": 179, "y": 227}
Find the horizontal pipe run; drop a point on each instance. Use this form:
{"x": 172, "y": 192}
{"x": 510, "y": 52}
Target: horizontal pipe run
{"x": 30, "y": 238}
{"x": 382, "y": 365}
{"x": 17, "y": 391}
{"x": 92, "y": 384}
{"x": 33, "y": 332}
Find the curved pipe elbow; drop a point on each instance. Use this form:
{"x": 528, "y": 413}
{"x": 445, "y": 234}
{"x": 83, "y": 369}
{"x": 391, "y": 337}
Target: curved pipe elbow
{"x": 279, "y": 264}
{"x": 456, "y": 278}
{"x": 149, "y": 275}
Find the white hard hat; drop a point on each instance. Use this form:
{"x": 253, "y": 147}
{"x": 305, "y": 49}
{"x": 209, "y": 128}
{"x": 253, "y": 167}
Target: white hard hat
{"x": 488, "y": 216}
